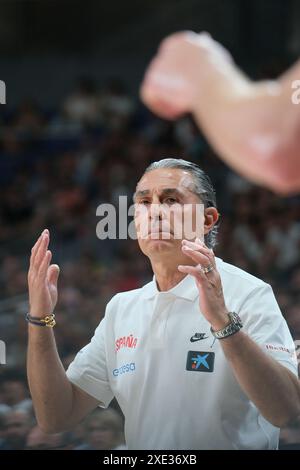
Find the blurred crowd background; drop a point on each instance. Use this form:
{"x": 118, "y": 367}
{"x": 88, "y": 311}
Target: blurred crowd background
{"x": 58, "y": 162}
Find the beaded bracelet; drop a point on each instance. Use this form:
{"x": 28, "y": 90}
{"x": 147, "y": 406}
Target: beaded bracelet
{"x": 48, "y": 320}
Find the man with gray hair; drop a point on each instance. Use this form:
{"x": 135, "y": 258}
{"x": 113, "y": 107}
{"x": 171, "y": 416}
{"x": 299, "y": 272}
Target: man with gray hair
{"x": 198, "y": 358}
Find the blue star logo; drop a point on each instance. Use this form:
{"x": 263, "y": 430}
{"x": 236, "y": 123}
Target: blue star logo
{"x": 200, "y": 360}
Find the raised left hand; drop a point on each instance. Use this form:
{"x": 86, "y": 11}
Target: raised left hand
{"x": 211, "y": 298}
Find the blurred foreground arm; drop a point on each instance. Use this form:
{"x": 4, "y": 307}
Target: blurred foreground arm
{"x": 253, "y": 126}
{"x": 58, "y": 404}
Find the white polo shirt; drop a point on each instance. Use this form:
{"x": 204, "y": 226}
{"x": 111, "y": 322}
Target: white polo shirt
{"x": 155, "y": 353}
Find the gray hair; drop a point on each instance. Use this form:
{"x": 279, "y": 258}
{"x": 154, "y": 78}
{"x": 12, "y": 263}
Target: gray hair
{"x": 202, "y": 187}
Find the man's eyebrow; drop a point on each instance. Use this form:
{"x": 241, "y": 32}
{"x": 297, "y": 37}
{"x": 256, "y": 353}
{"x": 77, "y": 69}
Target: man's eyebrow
{"x": 164, "y": 192}
{"x": 140, "y": 193}
{"x": 167, "y": 191}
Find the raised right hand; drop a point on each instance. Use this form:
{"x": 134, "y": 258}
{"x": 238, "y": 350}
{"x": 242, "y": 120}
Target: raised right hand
{"x": 42, "y": 278}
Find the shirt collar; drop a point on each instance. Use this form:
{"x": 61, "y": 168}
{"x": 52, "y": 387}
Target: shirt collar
{"x": 185, "y": 289}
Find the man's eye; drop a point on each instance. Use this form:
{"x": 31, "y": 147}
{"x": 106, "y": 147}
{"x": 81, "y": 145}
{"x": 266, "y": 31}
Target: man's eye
{"x": 145, "y": 202}
{"x": 171, "y": 200}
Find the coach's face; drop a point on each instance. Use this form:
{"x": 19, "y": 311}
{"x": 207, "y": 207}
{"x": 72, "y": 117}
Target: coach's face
{"x": 167, "y": 211}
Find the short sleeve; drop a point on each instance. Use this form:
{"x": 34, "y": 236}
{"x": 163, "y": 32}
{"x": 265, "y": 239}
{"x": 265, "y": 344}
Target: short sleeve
{"x": 264, "y": 323}
{"x": 88, "y": 371}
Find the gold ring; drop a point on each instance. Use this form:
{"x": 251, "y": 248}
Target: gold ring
{"x": 207, "y": 269}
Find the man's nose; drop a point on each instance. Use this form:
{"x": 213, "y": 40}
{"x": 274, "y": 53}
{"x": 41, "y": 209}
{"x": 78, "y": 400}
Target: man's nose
{"x": 156, "y": 212}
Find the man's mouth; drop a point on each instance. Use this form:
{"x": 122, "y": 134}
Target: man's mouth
{"x": 160, "y": 233}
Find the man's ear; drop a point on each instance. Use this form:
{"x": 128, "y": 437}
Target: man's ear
{"x": 211, "y": 217}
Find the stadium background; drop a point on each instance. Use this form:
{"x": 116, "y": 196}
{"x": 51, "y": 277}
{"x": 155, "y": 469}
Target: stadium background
{"x": 74, "y": 134}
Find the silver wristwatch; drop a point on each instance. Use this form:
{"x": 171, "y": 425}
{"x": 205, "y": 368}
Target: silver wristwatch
{"x": 233, "y": 327}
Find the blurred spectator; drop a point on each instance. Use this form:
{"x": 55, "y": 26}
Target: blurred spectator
{"x": 14, "y": 391}
{"x": 104, "y": 430}
{"x": 16, "y": 428}
{"x": 38, "y": 440}
{"x": 116, "y": 106}
{"x": 284, "y": 236}
{"x": 82, "y": 105}
{"x": 4, "y": 411}
{"x": 29, "y": 120}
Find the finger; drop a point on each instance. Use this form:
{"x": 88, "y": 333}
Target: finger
{"x": 201, "y": 248}
{"x": 41, "y": 252}
{"x": 32, "y": 256}
{"x": 159, "y": 89}
{"x": 44, "y": 266}
{"x": 194, "y": 271}
{"x": 158, "y": 102}
{"x": 173, "y": 40}
{"x": 36, "y": 246}
{"x": 162, "y": 84}
{"x": 196, "y": 256}
{"x": 52, "y": 274}
{"x": 196, "y": 245}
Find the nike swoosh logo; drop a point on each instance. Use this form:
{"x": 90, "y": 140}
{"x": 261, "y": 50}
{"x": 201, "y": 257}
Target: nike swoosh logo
{"x": 193, "y": 339}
